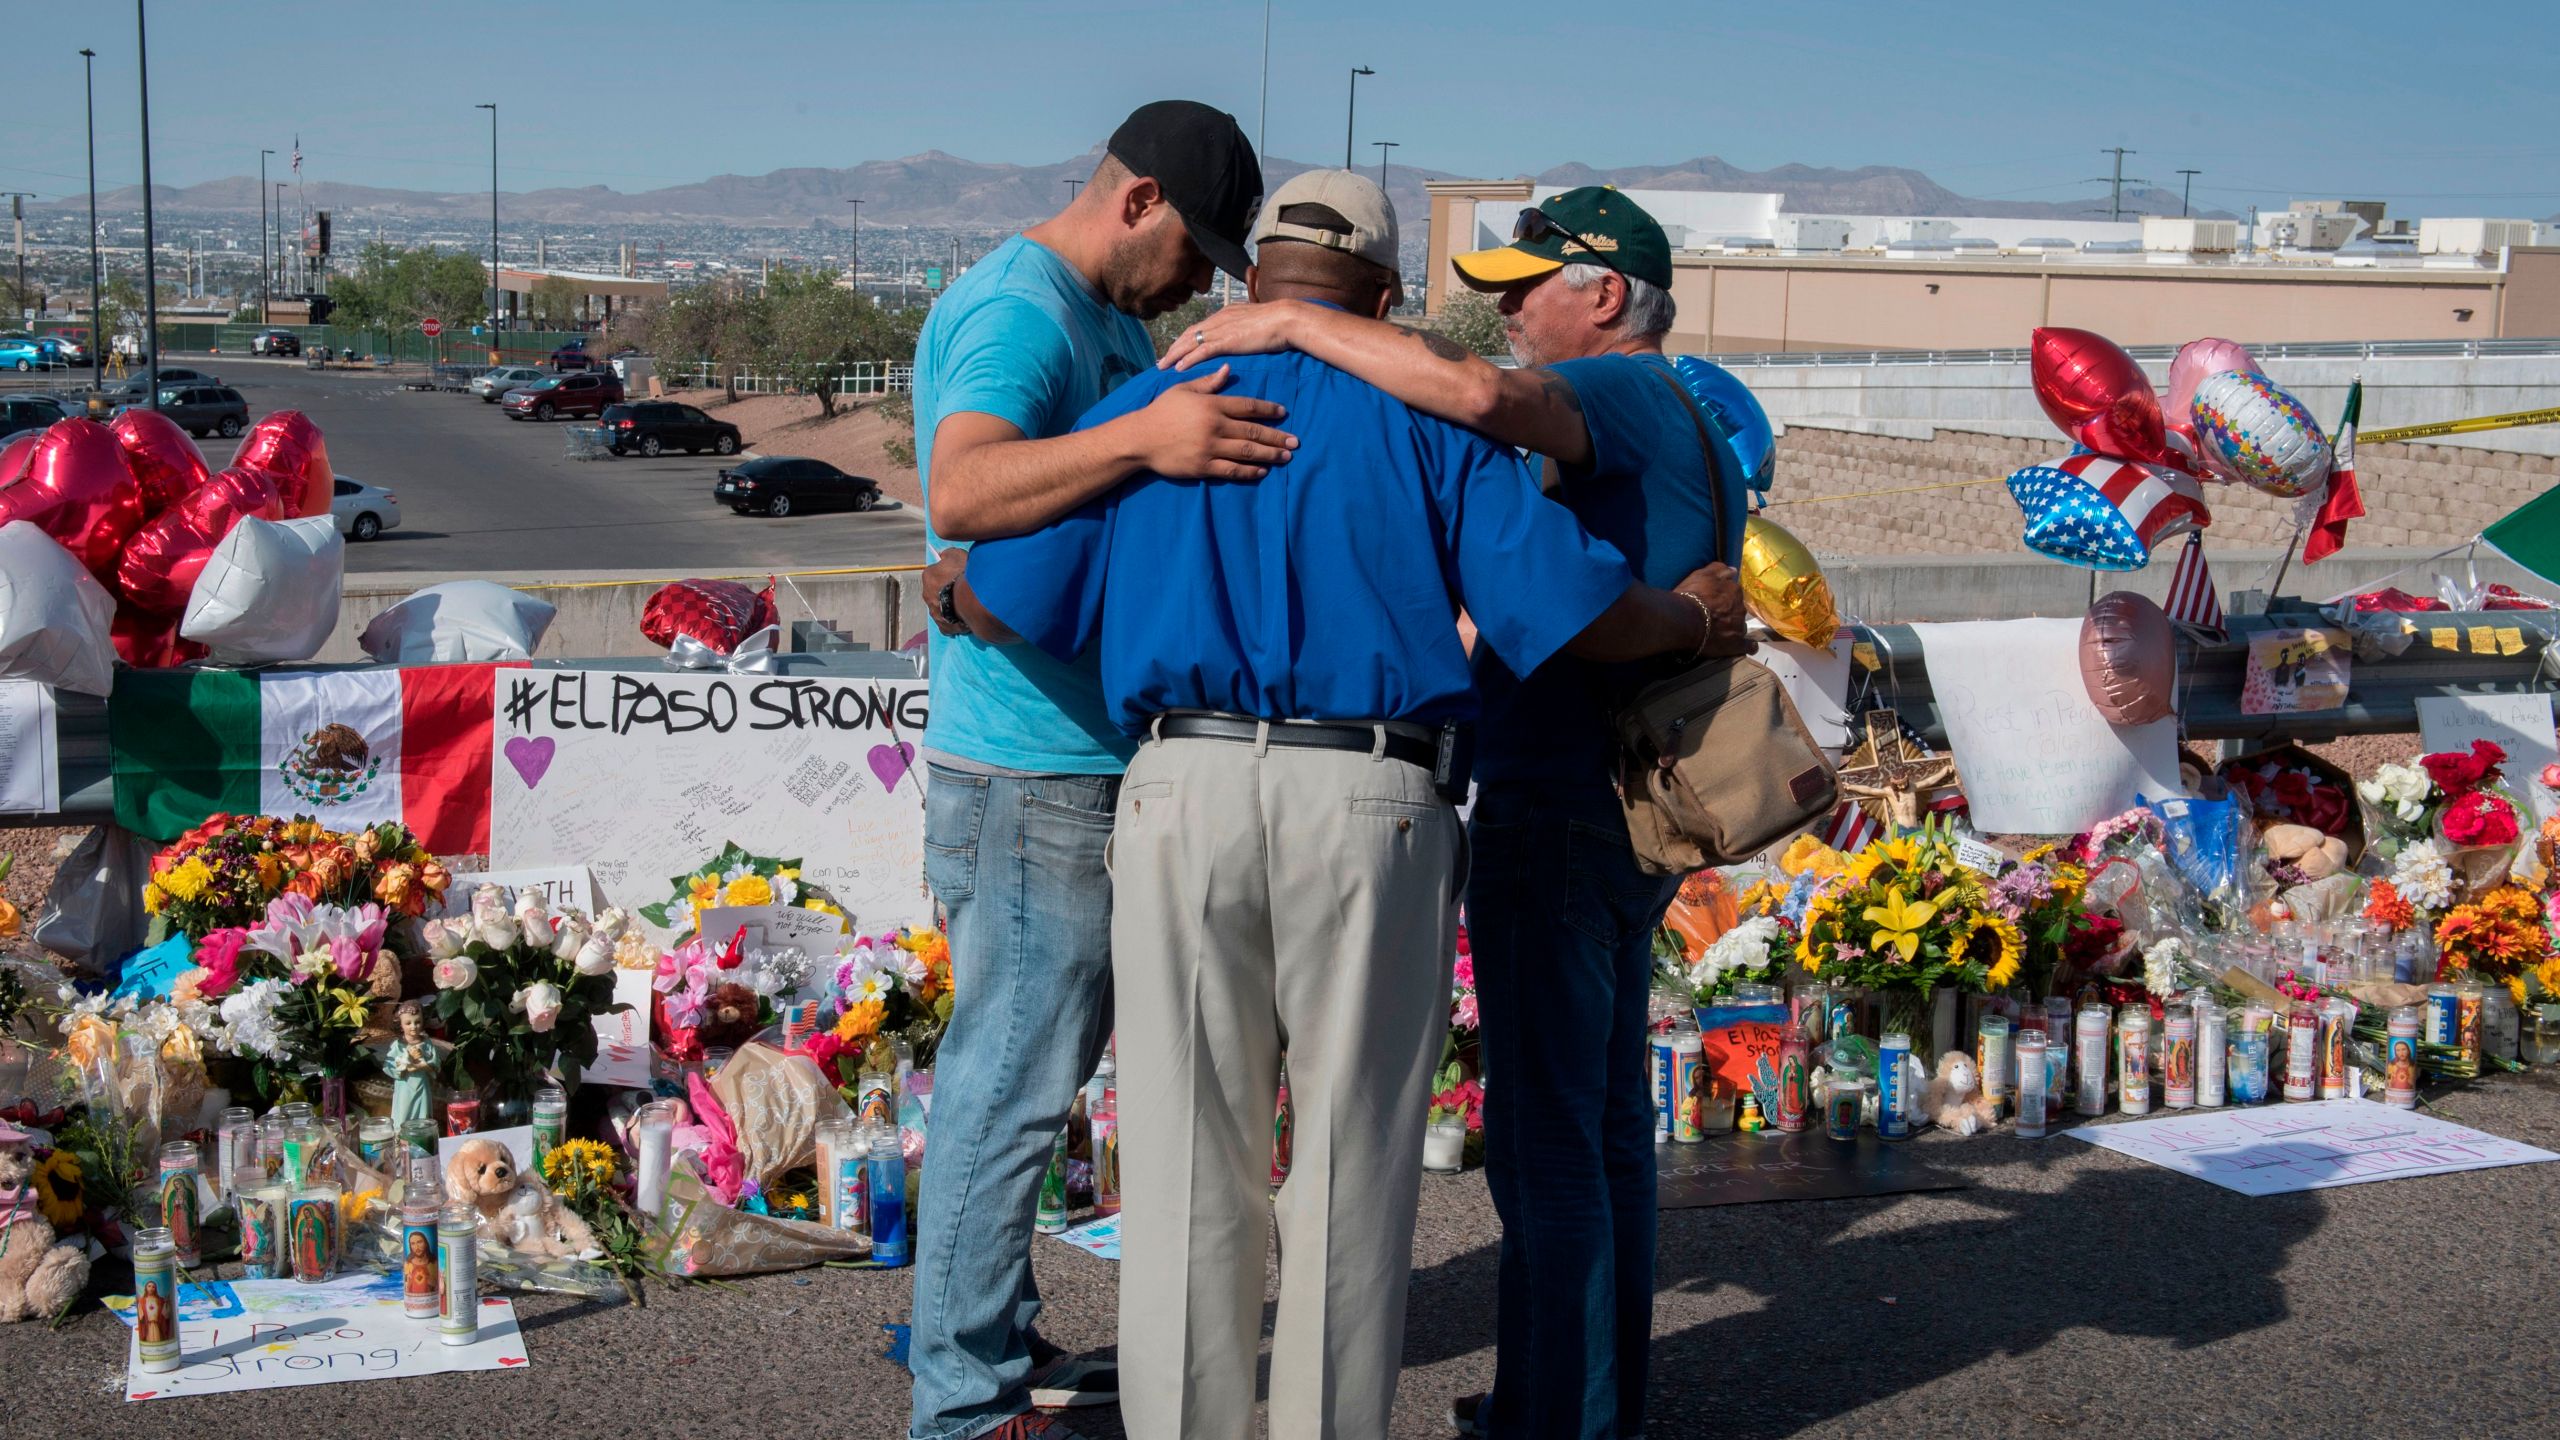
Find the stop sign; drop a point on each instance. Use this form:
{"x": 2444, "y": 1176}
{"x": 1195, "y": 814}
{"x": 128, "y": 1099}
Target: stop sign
{"x": 431, "y": 327}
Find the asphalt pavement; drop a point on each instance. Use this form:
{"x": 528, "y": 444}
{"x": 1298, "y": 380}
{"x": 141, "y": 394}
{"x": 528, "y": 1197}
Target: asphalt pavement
{"x": 2068, "y": 1291}
{"x": 480, "y": 492}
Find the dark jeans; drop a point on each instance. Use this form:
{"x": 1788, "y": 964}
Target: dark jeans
{"x": 1561, "y": 922}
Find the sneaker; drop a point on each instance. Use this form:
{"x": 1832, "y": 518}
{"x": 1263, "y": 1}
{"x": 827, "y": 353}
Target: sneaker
{"x": 1073, "y": 1382}
{"x": 1462, "y": 1414}
{"x": 1034, "y": 1426}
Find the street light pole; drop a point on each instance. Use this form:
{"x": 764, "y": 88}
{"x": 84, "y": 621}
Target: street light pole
{"x": 494, "y": 291}
{"x": 1383, "y": 147}
{"x": 1351, "y": 114}
{"x": 855, "y": 267}
{"x": 281, "y": 273}
{"x": 266, "y": 259}
{"x": 97, "y": 341}
{"x": 150, "y": 232}
{"x": 1262, "y": 119}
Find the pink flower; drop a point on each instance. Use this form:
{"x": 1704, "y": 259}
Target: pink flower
{"x": 1463, "y": 975}
{"x": 2551, "y": 777}
{"x": 218, "y": 954}
{"x": 1463, "y": 1014}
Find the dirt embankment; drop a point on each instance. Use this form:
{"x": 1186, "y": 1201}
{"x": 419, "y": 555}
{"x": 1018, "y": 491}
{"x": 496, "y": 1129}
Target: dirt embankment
{"x": 855, "y": 441}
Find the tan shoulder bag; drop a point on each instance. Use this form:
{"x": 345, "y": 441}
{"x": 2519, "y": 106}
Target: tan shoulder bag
{"x": 1714, "y": 764}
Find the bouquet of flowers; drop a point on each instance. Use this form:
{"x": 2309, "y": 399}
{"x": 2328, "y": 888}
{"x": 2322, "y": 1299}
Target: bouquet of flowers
{"x": 2040, "y": 894}
{"x": 223, "y": 872}
{"x": 2499, "y": 936}
{"x": 519, "y": 993}
{"x": 895, "y": 986}
{"x": 1906, "y": 918}
{"x": 735, "y": 877}
{"x": 1757, "y": 950}
{"x": 293, "y": 992}
{"x": 704, "y": 1000}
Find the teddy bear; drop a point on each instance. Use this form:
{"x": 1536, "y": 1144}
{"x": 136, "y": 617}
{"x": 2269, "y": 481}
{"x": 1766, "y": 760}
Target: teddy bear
{"x": 482, "y": 1174}
{"x": 536, "y": 1222}
{"x": 1955, "y": 1100}
{"x": 516, "y": 1210}
{"x": 2316, "y": 855}
{"x": 38, "y": 1278}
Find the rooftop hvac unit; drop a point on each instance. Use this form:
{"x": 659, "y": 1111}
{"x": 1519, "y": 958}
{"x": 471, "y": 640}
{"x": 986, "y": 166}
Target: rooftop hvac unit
{"x": 1899, "y": 230}
{"x": 1811, "y": 232}
{"x": 2471, "y": 237}
{"x": 2180, "y": 233}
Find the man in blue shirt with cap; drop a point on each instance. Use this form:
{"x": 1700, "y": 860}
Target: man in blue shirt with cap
{"x": 1560, "y": 915}
{"x": 1286, "y": 858}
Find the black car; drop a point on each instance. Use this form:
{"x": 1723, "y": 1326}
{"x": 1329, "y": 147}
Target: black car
{"x": 781, "y": 485}
{"x": 652, "y": 426}
{"x": 202, "y": 409}
{"x": 29, "y": 412}
{"x": 276, "y": 342}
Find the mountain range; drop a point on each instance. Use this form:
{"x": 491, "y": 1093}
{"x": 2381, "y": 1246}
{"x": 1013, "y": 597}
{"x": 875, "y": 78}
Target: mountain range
{"x": 946, "y": 191}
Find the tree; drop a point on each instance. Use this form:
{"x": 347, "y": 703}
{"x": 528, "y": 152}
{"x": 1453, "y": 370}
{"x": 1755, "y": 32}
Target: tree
{"x": 1472, "y": 321}
{"x": 554, "y": 303}
{"x": 809, "y": 330}
{"x": 119, "y": 309}
{"x": 392, "y": 288}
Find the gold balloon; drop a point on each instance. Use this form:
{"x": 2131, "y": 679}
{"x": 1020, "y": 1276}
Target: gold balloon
{"x": 1784, "y": 587}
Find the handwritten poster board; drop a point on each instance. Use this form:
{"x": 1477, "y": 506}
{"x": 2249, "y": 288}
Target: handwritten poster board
{"x": 275, "y": 1334}
{"x": 1737, "y": 1039}
{"x": 2517, "y": 724}
{"x": 2312, "y": 1145}
{"x": 559, "y": 886}
{"x": 2035, "y": 756}
{"x": 641, "y": 777}
{"x": 30, "y": 760}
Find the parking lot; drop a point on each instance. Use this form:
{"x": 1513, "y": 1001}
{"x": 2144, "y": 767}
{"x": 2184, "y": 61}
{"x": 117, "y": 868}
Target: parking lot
{"x": 482, "y": 493}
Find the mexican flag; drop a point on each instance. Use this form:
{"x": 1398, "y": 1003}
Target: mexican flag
{"x": 2530, "y": 536}
{"x": 349, "y": 748}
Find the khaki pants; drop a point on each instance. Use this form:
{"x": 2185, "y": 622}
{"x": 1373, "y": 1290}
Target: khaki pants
{"x": 1266, "y": 899}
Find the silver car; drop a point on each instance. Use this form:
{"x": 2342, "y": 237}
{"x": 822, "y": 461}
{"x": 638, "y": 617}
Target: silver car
{"x": 363, "y": 511}
{"x": 491, "y": 386}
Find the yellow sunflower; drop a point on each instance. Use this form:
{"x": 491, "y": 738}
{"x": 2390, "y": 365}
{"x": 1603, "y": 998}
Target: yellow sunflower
{"x": 58, "y": 1192}
{"x": 2004, "y": 968}
{"x": 576, "y": 1167}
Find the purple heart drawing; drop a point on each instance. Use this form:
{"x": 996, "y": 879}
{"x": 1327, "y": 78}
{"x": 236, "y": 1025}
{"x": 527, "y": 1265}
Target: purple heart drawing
{"x": 890, "y": 763}
{"x": 532, "y": 758}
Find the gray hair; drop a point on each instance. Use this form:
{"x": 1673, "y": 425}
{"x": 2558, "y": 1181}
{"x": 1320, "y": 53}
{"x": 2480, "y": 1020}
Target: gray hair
{"x": 1649, "y": 308}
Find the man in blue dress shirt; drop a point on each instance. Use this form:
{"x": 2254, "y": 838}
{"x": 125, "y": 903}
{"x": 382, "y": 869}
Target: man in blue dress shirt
{"x": 1285, "y": 865}
{"x": 1560, "y": 915}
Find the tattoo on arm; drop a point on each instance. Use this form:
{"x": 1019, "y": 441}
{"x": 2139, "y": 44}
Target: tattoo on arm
{"x": 1559, "y": 391}
{"x": 1441, "y": 346}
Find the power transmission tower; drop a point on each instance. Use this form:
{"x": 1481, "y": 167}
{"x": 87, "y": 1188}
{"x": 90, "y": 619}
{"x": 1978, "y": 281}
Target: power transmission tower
{"x": 2186, "y": 188}
{"x": 2115, "y": 198}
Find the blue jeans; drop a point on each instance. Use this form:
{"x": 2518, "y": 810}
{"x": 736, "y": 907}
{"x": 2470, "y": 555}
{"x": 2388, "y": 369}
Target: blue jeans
{"x": 1561, "y": 923}
{"x": 1017, "y": 864}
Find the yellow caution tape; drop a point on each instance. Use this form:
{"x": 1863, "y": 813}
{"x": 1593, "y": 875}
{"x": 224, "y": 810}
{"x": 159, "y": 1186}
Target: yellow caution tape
{"x": 2474, "y": 425}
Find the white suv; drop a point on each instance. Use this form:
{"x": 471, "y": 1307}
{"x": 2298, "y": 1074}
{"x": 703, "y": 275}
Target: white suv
{"x": 496, "y": 383}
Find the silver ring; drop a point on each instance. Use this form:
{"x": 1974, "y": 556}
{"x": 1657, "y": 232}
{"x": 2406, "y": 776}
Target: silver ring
{"x": 1199, "y": 335}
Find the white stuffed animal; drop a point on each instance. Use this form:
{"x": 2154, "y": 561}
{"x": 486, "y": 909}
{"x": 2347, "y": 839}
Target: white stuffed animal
{"x": 1955, "y": 1100}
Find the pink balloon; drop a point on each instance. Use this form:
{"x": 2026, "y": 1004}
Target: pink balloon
{"x": 164, "y": 459}
{"x": 287, "y": 448}
{"x": 79, "y": 492}
{"x": 2128, "y": 658}
{"x": 2196, "y": 360}
{"x": 2090, "y": 387}
{"x": 158, "y": 570}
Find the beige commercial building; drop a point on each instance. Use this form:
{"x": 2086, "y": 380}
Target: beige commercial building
{"x": 1767, "y": 300}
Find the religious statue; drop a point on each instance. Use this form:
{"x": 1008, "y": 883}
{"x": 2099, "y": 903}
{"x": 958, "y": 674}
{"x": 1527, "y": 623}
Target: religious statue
{"x": 411, "y": 1061}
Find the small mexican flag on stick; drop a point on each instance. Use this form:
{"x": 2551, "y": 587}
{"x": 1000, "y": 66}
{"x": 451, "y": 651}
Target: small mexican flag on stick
{"x": 2343, "y": 501}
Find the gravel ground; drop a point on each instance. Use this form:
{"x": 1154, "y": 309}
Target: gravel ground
{"x": 2070, "y": 1290}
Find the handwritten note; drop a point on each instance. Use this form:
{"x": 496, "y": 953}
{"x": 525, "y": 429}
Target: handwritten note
{"x": 1818, "y": 682}
{"x": 2308, "y": 1146}
{"x": 266, "y": 1336}
{"x": 640, "y": 777}
{"x": 622, "y": 1039}
{"x": 2518, "y": 724}
{"x": 2035, "y": 756}
{"x": 30, "y": 764}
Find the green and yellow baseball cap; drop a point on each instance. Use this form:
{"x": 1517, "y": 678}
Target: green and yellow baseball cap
{"x": 1595, "y": 224}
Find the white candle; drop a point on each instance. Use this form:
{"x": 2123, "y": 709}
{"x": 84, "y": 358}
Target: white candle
{"x": 655, "y": 1126}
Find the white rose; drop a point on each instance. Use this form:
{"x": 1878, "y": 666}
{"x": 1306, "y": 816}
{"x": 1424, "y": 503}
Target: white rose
{"x": 487, "y": 902}
{"x": 569, "y": 937}
{"x": 455, "y": 972}
{"x": 445, "y": 938}
{"x": 540, "y": 1002}
{"x": 497, "y": 932}
{"x": 595, "y": 957}
{"x": 534, "y": 921}
{"x": 612, "y": 921}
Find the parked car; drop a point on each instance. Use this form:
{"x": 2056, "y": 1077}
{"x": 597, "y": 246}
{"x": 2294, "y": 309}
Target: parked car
{"x": 30, "y": 412}
{"x": 202, "y": 409}
{"x": 24, "y": 354}
{"x": 140, "y": 382}
{"x": 361, "y": 511}
{"x": 780, "y": 485}
{"x": 62, "y": 352}
{"x": 276, "y": 342}
{"x": 493, "y": 384}
{"x": 580, "y": 394}
{"x": 651, "y": 426}
{"x": 572, "y": 356}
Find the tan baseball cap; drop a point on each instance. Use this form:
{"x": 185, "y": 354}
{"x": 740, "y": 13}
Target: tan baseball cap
{"x": 1355, "y": 197}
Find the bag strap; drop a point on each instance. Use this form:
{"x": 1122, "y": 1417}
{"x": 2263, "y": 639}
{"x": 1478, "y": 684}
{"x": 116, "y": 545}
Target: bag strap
{"x": 1706, "y": 443}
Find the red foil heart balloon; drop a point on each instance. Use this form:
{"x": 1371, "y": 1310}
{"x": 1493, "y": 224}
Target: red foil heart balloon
{"x": 158, "y": 570}
{"x": 150, "y": 642}
{"x": 14, "y": 459}
{"x": 286, "y": 448}
{"x": 2100, "y": 397}
{"x": 79, "y": 492}
{"x": 164, "y": 460}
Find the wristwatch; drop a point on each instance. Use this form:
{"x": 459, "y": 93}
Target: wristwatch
{"x": 943, "y": 606}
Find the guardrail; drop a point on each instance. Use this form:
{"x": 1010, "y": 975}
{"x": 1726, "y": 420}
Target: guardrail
{"x": 868, "y": 378}
{"x": 2277, "y": 350}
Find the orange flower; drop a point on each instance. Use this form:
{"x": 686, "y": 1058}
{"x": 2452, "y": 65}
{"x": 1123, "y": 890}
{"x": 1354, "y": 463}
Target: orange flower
{"x": 859, "y": 1023}
{"x": 8, "y": 920}
{"x": 270, "y": 870}
{"x": 2499, "y": 935}
{"x": 2386, "y": 907}
{"x": 397, "y": 887}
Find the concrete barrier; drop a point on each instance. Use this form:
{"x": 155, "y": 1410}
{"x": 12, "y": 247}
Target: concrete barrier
{"x": 600, "y": 610}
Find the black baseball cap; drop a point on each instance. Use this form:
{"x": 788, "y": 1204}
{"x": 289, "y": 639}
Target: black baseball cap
{"x": 1199, "y": 157}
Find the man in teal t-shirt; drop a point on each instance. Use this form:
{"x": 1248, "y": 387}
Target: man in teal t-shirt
{"x": 1022, "y": 761}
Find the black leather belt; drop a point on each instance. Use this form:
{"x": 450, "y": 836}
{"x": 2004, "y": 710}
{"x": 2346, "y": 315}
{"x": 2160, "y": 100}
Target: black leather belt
{"x": 1360, "y": 738}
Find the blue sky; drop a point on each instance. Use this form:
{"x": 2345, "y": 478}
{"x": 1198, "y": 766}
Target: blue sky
{"x": 2446, "y": 109}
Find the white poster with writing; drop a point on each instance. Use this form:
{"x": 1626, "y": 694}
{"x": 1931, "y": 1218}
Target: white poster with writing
{"x": 2517, "y": 724}
{"x": 643, "y": 777}
{"x": 2035, "y": 756}
{"x": 271, "y": 1334}
{"x": 2309, "y": 1146}
{"x": 30, "y": 752}
{"x": 560, "y": 887}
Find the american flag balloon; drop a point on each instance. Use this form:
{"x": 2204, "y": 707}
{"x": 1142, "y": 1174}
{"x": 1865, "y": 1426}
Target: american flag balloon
{"x": 2105, "y": 513}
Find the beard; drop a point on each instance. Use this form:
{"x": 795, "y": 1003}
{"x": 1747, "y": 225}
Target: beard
{"x": 1523, "y": 349}
{"x": 1134, "y": 284}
